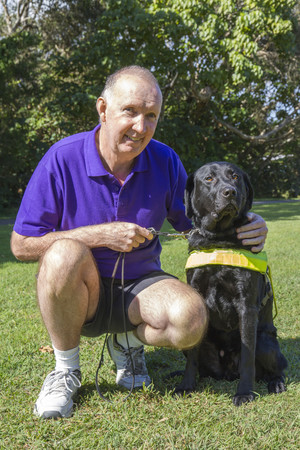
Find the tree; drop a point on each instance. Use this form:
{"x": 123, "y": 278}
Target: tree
{"x": 19, "y": 149}
{"x": 241, "y": 72}
{"x": 20, "y": 15}
{"x": 229, "y": 72}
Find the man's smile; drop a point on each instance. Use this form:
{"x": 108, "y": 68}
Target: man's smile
{"x": 134, "y": 139}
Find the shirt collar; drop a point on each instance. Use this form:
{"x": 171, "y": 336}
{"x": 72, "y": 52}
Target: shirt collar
{"x": 93, "y": 163}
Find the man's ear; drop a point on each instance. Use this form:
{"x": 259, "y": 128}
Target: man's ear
{"x": 101, "y": 108}
{"x": 187, "y": 196}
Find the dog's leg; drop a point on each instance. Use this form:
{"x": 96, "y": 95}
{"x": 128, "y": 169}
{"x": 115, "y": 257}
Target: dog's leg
{"x": 248, "y": 329}
{"x": 188, "y": 384}
{"x": 270, "y": 362}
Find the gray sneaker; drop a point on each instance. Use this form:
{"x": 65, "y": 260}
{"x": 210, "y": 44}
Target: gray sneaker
{"x": 121, "y": 358}
{"x": 55, "y": 399}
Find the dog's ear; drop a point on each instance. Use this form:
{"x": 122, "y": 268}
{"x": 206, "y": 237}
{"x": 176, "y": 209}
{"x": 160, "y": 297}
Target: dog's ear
{"x": 187, "y": 196}
{"x": 250, "y": 192}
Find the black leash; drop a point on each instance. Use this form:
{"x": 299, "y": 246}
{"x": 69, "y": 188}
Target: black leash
{"x": 121, "y": 254}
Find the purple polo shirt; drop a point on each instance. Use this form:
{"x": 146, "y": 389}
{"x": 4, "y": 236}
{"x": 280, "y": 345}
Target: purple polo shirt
{"x": 70, "y": 188}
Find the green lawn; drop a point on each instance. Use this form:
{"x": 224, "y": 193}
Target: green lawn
{"x": 150, "y": 419}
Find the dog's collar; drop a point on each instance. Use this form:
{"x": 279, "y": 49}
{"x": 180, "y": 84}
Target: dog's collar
{"x": 228, "y": 257}
{"x": 231, "y": 257}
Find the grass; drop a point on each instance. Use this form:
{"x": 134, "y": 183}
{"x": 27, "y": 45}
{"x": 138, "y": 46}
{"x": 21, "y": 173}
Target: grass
{"x": 149, "y": 419}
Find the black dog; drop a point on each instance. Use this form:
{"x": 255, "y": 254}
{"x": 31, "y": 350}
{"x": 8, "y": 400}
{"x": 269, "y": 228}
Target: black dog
{"x": 241, "y": 340}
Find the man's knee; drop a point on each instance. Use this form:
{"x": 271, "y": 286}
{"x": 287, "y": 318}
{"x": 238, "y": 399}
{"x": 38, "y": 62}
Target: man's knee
{"x": 62, "y": 259}
{"x": 68, "y": 278}
{"x": 189, "y": 316}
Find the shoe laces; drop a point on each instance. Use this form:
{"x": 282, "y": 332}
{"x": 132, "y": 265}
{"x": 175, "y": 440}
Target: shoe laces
{"x": 62, "y": 379}
{"x": 137, "y": 355}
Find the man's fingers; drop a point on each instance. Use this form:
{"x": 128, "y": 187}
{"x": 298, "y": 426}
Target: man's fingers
{"x": 145, "y": 233}
{"x": 257, "y": 244}
{"x": 254, "y": 241}
{"x": 257, "y": 249}
{"x": 256, "y": 222}
{"x": 129, "y": 236}
{"x": 252, "y": 233}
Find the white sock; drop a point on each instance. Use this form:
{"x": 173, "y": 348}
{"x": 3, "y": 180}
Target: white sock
{"x": 67, "y": 359}
{"x": 132, "y": 339}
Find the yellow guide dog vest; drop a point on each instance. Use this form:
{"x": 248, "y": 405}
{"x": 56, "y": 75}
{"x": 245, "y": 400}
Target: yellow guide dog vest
{"x": 230, "y": 257}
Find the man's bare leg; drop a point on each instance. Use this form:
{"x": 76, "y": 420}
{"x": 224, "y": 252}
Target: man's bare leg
{"x": 68, "y": 291}
{"x": 68, "y": 294}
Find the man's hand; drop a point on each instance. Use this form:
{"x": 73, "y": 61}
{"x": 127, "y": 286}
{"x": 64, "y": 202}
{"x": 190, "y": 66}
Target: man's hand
{"x": 123, "y": 236}
{"x": 254, "y": 232}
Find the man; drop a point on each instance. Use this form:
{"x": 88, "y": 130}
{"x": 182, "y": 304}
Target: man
{"x": 92, "y": 196}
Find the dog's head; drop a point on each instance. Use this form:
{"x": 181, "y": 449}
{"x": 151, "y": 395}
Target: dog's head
{"x": 217, "y": 196}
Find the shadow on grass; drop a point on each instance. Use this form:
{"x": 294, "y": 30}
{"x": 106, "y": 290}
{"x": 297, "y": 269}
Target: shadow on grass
{"x": 110, "y": 393}
{"x": 162, "y": 379}
{"x": 278, "y": 211}
{"x": 108, "y": 390}
{"x": 161, "y": 362}
{"x": 291, "y": 350}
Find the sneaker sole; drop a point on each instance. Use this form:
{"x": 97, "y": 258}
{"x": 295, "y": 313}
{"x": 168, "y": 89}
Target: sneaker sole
{"x": 49, "y": 414}
{"x": 137, "y": 385}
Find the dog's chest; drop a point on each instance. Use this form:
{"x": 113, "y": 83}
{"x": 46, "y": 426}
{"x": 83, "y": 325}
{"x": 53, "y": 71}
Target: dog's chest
{"x": 227, "y": 291}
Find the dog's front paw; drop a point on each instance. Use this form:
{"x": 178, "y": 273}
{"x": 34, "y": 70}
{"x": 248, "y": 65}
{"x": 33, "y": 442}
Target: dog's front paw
{"x": 183, "y": 390}
{"x": 239, "y": 399}
{"x": 276, "y": 386}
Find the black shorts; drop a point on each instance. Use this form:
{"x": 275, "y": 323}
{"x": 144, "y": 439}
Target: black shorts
{"x": 102, "y": 322}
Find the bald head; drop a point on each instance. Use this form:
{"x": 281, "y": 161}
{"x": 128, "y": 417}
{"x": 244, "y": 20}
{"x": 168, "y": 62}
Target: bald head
{"x": 128, "y": 72}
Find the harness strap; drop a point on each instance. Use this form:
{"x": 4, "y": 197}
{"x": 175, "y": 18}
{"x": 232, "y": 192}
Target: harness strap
{"x": 228, "y": 257}
{"x": 235, "y": 258}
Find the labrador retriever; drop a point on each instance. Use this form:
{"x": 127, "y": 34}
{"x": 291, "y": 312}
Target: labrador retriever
{"x": 241, "y": 340}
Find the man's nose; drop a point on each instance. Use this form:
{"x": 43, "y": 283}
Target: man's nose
{"x": 140, "y": 124}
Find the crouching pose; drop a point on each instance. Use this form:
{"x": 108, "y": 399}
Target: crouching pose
{"x": 92, "y": 196}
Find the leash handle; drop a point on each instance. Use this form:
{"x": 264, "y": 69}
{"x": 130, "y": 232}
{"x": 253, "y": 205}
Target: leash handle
{"x": 125, "y": 328}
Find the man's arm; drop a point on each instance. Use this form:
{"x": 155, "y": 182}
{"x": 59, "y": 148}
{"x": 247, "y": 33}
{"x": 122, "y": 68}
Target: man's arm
{"x": 118, "y": 236}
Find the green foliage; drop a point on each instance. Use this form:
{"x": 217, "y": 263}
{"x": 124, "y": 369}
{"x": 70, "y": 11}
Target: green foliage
{"x": 232, "y": 60}
{"x": 19, "y": 56}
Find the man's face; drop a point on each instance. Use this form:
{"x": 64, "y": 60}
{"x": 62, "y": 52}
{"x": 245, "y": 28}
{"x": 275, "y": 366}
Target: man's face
{"x": 129, "y": 116}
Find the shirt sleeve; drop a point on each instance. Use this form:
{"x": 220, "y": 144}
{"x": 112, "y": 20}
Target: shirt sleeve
{"x": 41, "y": 206}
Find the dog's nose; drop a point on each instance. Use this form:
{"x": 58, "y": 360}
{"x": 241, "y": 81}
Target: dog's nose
{"x": 229, "y": 192}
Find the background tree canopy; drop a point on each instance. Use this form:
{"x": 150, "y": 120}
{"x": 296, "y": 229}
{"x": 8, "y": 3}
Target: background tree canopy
{"x": 229, "y": 72}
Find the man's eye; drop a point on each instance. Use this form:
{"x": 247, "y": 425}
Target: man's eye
{"x": 209, "y": 178}
{"x": 129, "y": 110}
{"x": 152, "y": 116}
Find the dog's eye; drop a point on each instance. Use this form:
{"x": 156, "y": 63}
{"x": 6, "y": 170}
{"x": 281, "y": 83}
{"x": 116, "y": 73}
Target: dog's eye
{"x": 235, "y": 176}
{"x": 209, "y": 178}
